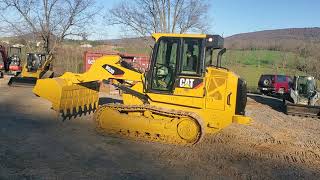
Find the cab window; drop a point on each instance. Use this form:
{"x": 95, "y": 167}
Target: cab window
{"x": 164, "y": 68}
{"x": 191, "y": 54}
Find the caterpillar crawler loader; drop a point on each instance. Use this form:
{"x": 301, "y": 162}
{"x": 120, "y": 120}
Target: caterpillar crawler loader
{"x": 177, "y": 101}
{"x": 304, "y": 98}
{"x": 38, "y": 66}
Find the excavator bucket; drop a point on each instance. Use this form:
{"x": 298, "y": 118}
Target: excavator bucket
{"x": 22, "y": 81}
{"x": 75, "y": 94}
{"x": 68, "y": 97}
{"x": 302, "y": 110}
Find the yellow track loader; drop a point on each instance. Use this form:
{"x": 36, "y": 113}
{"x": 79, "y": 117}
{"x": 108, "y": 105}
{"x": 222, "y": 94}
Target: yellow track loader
{"x": 182, "y": 97}
{"x": 38, "y": 66}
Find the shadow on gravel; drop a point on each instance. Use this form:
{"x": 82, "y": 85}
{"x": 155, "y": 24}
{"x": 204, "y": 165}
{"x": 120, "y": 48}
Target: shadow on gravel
{"x": 273, "y": 102}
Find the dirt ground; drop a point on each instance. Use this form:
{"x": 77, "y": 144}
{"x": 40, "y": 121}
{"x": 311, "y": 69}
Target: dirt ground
{"x": 35, "y": 145}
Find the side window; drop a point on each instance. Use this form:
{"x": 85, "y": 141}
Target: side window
{"x": 191, "y": 54}
{"x": 209, "y": 57}
{"x": 164, "y": 68}
{"x": 281, "y": 78}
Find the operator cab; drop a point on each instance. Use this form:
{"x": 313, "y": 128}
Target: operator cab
{"x": 35, "y": 61}
{"x": 14, "y": 56}
{"x": 176, "y": 58}
{"x": 305, "y": 85}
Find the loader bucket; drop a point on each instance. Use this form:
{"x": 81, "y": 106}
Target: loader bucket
{"x": 22, "y": 81}
{"x": 67, "y": 97}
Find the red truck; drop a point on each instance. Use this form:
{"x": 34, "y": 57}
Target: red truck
{"x": 274, "y": 84}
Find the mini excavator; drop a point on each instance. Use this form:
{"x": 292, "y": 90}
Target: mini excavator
{"x": 37, "y": 66}
{"x": 182, "y": 97}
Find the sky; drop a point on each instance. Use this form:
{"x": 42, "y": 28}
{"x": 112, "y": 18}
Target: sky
{"x": 229, "y": 17}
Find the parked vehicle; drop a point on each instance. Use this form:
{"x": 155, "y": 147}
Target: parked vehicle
{"x": 274, "y": 84}
{"x": 304, "y": 99}
{"x": 4, "y": 65}
{"x": 14, "y": 59}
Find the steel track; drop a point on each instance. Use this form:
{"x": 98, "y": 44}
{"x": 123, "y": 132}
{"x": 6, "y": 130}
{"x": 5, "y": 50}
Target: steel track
{"x": 150, "y": 136}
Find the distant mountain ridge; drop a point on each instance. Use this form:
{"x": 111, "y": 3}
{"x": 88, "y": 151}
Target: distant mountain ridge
{"x": 290, "y": 33}
{"x": 280, "y": 39}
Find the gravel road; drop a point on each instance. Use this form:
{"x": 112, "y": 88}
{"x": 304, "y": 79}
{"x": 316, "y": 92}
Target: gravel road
{"x": 35, "y": 145}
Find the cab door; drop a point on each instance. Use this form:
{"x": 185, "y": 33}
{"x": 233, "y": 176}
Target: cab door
{"x": 189, "y": 81}
{"x": 175, "y": 73}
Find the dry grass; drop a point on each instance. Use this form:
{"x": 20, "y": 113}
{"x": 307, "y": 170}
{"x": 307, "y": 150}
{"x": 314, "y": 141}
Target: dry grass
{"x": 71, "y": 57}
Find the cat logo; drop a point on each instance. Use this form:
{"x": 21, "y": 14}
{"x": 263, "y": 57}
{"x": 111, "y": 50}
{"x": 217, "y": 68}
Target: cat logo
{"x": 186, "y": 83}
{"x": 109, "y": 69}
{"x": 113, "y": 70}
{"x": 189, "y": 83}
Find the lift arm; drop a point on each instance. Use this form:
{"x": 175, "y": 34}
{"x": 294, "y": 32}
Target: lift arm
{"x": 72, "y": 92}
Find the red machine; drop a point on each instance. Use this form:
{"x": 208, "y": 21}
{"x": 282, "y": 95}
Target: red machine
{"x": 138, "y": 61}
{"x": 15, "y": 60}
{"x": 10, "y": 62}
{"x": 3, "y": 61}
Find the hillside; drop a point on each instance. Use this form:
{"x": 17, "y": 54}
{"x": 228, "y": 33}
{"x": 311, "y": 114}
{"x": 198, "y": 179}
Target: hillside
{"x": 306, "y": 34}
{"x": 292, "y": 39}
{"x": 281, "y": 39}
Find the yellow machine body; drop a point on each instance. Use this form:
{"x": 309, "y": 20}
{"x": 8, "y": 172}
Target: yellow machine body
{"x": 180, "y": 112}
{"x": 25, "y": 73}
{"x": 30, "y": 75}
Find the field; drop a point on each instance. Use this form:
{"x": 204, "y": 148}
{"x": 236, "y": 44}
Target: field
{"x": 35, "y": 145}
{"x": 251, "y": 64}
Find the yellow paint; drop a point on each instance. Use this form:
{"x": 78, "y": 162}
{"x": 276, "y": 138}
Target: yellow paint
{"x": 157, "y": 36}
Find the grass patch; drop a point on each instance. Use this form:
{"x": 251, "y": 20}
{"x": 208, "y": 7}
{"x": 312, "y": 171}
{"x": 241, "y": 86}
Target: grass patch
{"x": 250, "y": 65}
{"x": 259, "y": 58}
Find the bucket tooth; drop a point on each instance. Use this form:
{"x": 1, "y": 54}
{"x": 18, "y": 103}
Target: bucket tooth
{"x": 85, "y": 109}
{"x": 80, "y": 111}
{"x": 93, "y": 106}
{"x": 65, "y": 112}
{"x": 69, "y": 113}
{"x": 74, "y": 112}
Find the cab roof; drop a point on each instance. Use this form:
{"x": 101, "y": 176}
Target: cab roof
{"x": 156, "y": 36}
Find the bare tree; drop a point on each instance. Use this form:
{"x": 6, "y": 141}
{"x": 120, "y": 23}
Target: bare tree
{"x": 50, "y": 20}
{"x": 168, "y": 16}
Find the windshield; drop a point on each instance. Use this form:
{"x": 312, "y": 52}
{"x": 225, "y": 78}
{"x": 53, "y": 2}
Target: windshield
{"x": 306, "y": 85}
{"x": 165, "y": 65}
{"x": 14, "y": 51}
